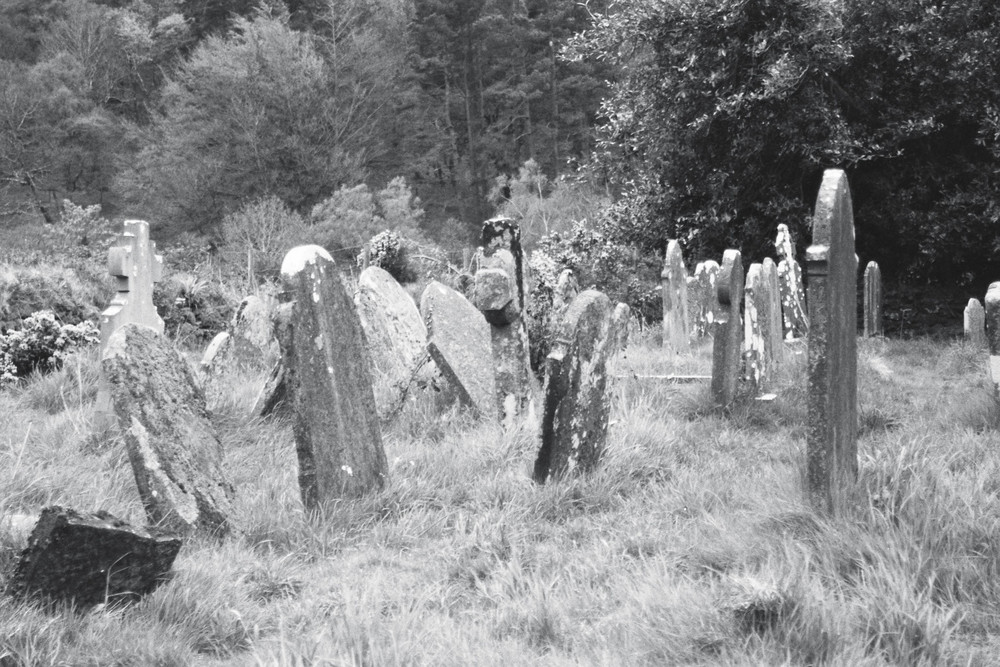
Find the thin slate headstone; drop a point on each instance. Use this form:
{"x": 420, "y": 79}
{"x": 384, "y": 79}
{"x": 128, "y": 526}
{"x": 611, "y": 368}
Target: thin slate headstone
{"x": 974, "y": 323}
{"x": 703, "y": 308}
{"x": 993, "y": 332}
{"x": 328, "y": 382}
{"x": 136, "y": 267}
{"x": 873, "y": 300}
{"x": 395, "y": 336}
{"x": 91, "y": 559}
{"x": 773, "y": 320}
{"x": 674, "y": 293}
{"x": 793, "y": 300}
{"x": 172, "y": 445}
{"x": 832, "y": 457}
{"x": 577, "y": 400}
{"x": 727, "y": 329}
{"x": 458, "y": 339}
{"x": 756, "y": 338}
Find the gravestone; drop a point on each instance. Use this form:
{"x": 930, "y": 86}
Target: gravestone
{"x": 458, "y": 339}
{"x": 703, "y": 302}
{"x": 621, "y": 324}
{"x": 395, "y": 336}
{"x": 136, "y": 267}
{"x": 832, "y": 458}
{"x": 254, "y": 344}
{"x": 773, "y": 319}
{"x": 756, "y": 341}
{"x": 974, "y": 323}
{"x": 790, "y": 279}
{"x": 214, "y": 353}
{"x": 172, "y": 445}
{"x": 673, "y": 280}
{"x": 577, "y": 400}
{"x": 565, "y": 291}
{"x": 91, "y": 559}
{"x": 328, "y": 382}
{"x": 993, "y": 332}
{"x": 873, "y": 300}
{"x": 727, "y": 331}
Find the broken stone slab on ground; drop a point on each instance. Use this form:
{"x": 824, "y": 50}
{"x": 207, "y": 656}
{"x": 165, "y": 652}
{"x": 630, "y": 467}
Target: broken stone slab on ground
{"x": 91, "y": 559}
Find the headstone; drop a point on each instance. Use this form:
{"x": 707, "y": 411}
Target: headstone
{"x": 136, "y": 267}
{"x": 175, "y": 453}
{"x": 756, "y": 340}
{"x": 974, "y": 323}
{"x": 773, "y": 320}
{"x": 993, "y": 332}
{"x": 727, "y": 329}
{"x": 703, "y": 308}
{"x": 395, "y": 336}
{"x": 328, "y": 382}
{"x": 621, "y": 323}
{"x": 674, "y": 292}
{"x": 459, "y": 342}
{"x": 91, "y": 559}
{"x": 214, "y": 352}
{"x": 790, "y": 279}
{"x": 832, "y": 458}
{"x": 577, "y": 401}
{"x": 873, "y": 300}
{"x": 254, "y": 345}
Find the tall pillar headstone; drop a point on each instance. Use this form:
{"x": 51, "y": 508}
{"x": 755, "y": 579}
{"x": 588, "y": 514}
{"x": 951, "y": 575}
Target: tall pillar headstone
{"x": 136, "y": 267}
{"x": 873, "y": 300}
{"x": 993, "y": 332}
{"x": 328, "y": 381}
{"x": 832, "y": 458}
{"x": 727, "y": 329}
{"x": 674, "y": 293}
{"x": 774, "y": 323}
{"x": 974, "y": 323}
{"x": 577, "y": 401}
{"x": 793, "y": 300}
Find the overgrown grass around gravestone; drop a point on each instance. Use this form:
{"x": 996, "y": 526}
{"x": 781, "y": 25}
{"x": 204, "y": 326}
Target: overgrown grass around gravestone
{"x": 690, "y": 545}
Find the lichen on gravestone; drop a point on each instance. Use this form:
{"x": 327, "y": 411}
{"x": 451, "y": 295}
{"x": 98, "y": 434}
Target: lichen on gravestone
{"x": 793, "y": 298}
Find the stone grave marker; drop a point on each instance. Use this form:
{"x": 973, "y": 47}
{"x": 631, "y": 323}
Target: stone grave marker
{"x": 621, "y": 324}
{"x": 790, "y": 279}
{"x": 91, "y": 559}
{"x": 175, "y": 453}
{"x": 974, "y": 323}
{"x": 458, "y": 339}
{"x": 832, "y": 458}
{"x": 395, "y": 335}
{"x": 727, "y": 329}
{"x": 328, "y": 382}
{"x": 703, "y": 302}
{"x": 577, "y": 401}
{"x": 993, "y": 332}
{"x": 873, "y": 300}
{"x": 566, "y": 290}
{"x": 756, "y": 340}
{"x": 773, "y": 321}
{"x": 136, "y": 267}
{"x": 674, "y": 293}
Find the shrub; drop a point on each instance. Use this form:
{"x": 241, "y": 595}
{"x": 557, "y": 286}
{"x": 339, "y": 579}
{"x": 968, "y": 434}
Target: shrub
{"x": 258, "y": 235}
{"x": 72, "y": 294}
{"x": 388, "y": 251}
{"x": 193, "y": 307}
{"x": 41, "y": 343}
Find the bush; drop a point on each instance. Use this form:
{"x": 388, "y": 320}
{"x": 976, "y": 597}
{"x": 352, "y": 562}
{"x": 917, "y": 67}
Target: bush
{"x": 40, "y": 344}
{"x": 193, "y": 307}
{"x": 72, "y": 294}
{"x": 257, "y": 236}
{"x": 388, "y": 251}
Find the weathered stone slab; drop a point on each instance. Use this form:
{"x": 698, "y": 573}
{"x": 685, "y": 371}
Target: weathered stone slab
{"x": 773, "y": 320}
{"x": 674, "y": 292}
{"x": 214, "y": 353}
{"x": 577, "y": 401}
{"x": 832, "y": 458}
{"x": 793, "y": 301}
{"x": 459, "y": 342}
{"x": 974, "y": 323}
{"x": 136, "y": 267}
{"x": 621, "y": 323}
{"x": 173, "y": 448}
{"x": 756, "y": 342}
{"x": 993, "y": 332}
{"x": 254, "y": 344}
{"x": 91, "y": 559}
{"x": 727, "y": 329}
{"x": 703, "y": 302}
{"x": 328, "y": 382}
{"x": 395, "y": 335}
{"x": 873, "y": 300}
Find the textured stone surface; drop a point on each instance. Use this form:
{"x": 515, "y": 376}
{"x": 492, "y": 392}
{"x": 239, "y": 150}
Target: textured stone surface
{"x": 831, "y": 450}
{"x": 773, "y": 321}
{"x": 254, "y": 344}
{"x": 674, "y": 292}
{"x": 703, "y": 302}
{"x": 873, "y": 300}
{"x": 327, "y": 377}
{"x": 173, "y": 448}
{"x": 215, "y": 352}
{"x": 459, "y": 342}
{"x": 756, "y": 343}
{"x": 495, "y": 296}
{"x": 136, "y": 267}
{"x": 566, "y": 290}
{"x": 91, "y": 559}
{"x": 727, "y": 330}
{"x": 577, "y": 401}
{"x": 974, "y": 323}
{"x": 395, "y": 335}
{"x": 793, "y": 301}
{"x": 993, "y": 331}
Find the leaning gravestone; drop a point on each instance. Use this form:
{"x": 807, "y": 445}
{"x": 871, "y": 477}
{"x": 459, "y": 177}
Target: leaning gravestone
{"x": 328, "y": 383}
{"x": 459, "y": 342}
{"x": 727, "y": 332}
{"x": 136, "y": 267}
{"x": 175, "y": 453}
{"x": 395, "y": 336}
{"x": 91, "y": 559}
{"x": 873, "y": 300}
{"x": 673, "y": 281}
{"x": 773, "y": 321}
{"x": 974, "y": 323}
{"x": 790, "y": 279}
{"x": 577, "y": 401}
{"x": 993, "y": 332}
{"x": 832, "y": 458}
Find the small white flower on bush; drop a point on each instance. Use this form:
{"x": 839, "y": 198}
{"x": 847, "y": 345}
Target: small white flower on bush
{"x": 41, "y": 343}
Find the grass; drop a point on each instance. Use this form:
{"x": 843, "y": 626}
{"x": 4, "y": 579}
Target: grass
{"x": 692, "y": 544}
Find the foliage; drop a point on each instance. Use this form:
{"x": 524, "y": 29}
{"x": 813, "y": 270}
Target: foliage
{"x": 73, "y": 294}
{"x": 387, "y": 250}
{"x": 258, "y": 235}
{"x": 40, "y": 344}
{"x": 192, "y": 307}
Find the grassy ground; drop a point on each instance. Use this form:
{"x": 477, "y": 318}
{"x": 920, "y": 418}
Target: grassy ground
{"x": 692, "y": 545}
